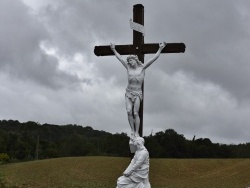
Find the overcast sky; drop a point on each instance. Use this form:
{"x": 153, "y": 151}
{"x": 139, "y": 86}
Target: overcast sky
{"x": 49, "y": 73}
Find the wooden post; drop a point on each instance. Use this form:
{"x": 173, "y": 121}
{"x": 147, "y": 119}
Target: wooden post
{"x": 138, "y": 41}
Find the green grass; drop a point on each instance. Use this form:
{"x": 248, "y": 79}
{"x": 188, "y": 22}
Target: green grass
{"x": 102, "y": 172}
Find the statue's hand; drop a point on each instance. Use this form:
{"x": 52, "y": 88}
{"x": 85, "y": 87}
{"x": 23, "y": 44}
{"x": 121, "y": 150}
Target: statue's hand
{"x": 162, "y": 45}
{"x": 127, "y": 174}
{"x": 112, "y": 46}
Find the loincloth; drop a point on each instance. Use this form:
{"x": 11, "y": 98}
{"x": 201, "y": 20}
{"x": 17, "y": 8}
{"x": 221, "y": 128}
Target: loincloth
{"x": 133, "y": 94}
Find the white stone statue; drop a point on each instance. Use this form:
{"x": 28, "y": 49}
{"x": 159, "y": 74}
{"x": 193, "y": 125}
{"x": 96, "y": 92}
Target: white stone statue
{"x": 133, "y": 96}
{"x": 136, "y": 174}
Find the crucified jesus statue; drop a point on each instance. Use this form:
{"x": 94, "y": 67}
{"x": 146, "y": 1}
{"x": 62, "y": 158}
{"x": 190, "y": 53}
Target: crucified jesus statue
{"x": 133, "y": 96}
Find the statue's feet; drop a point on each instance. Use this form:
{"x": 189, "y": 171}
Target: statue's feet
{"x": 132, "y": 134}
{"x": 137, "y": 134}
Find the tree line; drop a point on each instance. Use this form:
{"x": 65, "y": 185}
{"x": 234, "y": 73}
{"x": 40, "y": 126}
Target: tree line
{"x": 31, "y": 140}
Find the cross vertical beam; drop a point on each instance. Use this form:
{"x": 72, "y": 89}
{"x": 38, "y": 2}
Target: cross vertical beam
{"x": 138, "y": 42}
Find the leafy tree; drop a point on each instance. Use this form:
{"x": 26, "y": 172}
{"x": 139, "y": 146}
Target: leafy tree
{"x": 154, "y": 148}
{"x": 117, "y": 145}
{"x": 3, "y": 146}
{"x": 75, "y": 145}
{"x": 175, "y": 145}
{"x": 19, "y": 141}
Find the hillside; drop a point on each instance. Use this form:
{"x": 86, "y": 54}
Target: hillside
{"x": 102, "y": 172}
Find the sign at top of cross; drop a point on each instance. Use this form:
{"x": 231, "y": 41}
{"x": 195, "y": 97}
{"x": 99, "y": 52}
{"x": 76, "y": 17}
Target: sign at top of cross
{"x": 137, "y": 27}
{"x": 135, "y": 66}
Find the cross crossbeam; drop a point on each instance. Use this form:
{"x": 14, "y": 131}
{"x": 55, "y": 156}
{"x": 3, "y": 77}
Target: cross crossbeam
{"x": 149, "y": 48}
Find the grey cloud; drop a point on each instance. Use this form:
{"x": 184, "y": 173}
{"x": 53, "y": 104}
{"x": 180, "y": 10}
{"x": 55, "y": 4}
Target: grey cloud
{"x": 75, "y": 25}
{"x": 20, "y": 52}
{"x": 217, "y": 38}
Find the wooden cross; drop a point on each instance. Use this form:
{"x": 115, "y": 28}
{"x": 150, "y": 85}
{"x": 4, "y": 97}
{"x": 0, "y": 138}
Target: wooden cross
{"x": 139, "y": 48}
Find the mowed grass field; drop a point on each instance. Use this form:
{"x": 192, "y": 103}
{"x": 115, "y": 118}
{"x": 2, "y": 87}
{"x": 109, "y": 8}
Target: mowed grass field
{"x": 102, "y": 172}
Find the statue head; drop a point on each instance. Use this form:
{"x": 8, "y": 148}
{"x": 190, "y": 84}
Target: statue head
{"x": 139, "y": 141}
{"x": 134, "y": 57}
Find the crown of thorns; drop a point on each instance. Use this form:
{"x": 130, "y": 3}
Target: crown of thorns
{"x": 133, "y": 57}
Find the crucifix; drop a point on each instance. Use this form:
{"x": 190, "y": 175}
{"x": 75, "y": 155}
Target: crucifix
{"x": 134, "y": 93}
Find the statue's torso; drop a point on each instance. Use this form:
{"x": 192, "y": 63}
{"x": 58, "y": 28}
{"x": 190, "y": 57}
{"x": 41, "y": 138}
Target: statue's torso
{"x": 142, "y": 154}
{"x": 135, "y": 78}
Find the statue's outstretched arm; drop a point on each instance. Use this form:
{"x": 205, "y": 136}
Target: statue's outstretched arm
{"x": 161, "y": 46}
{"x": 118, "y": 56}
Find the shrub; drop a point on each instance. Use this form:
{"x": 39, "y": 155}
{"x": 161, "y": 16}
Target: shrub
{"x": 4, "y": 158}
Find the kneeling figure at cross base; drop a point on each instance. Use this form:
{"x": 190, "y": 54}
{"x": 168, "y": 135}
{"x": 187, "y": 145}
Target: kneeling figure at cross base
{"x": 136, "y": 174}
